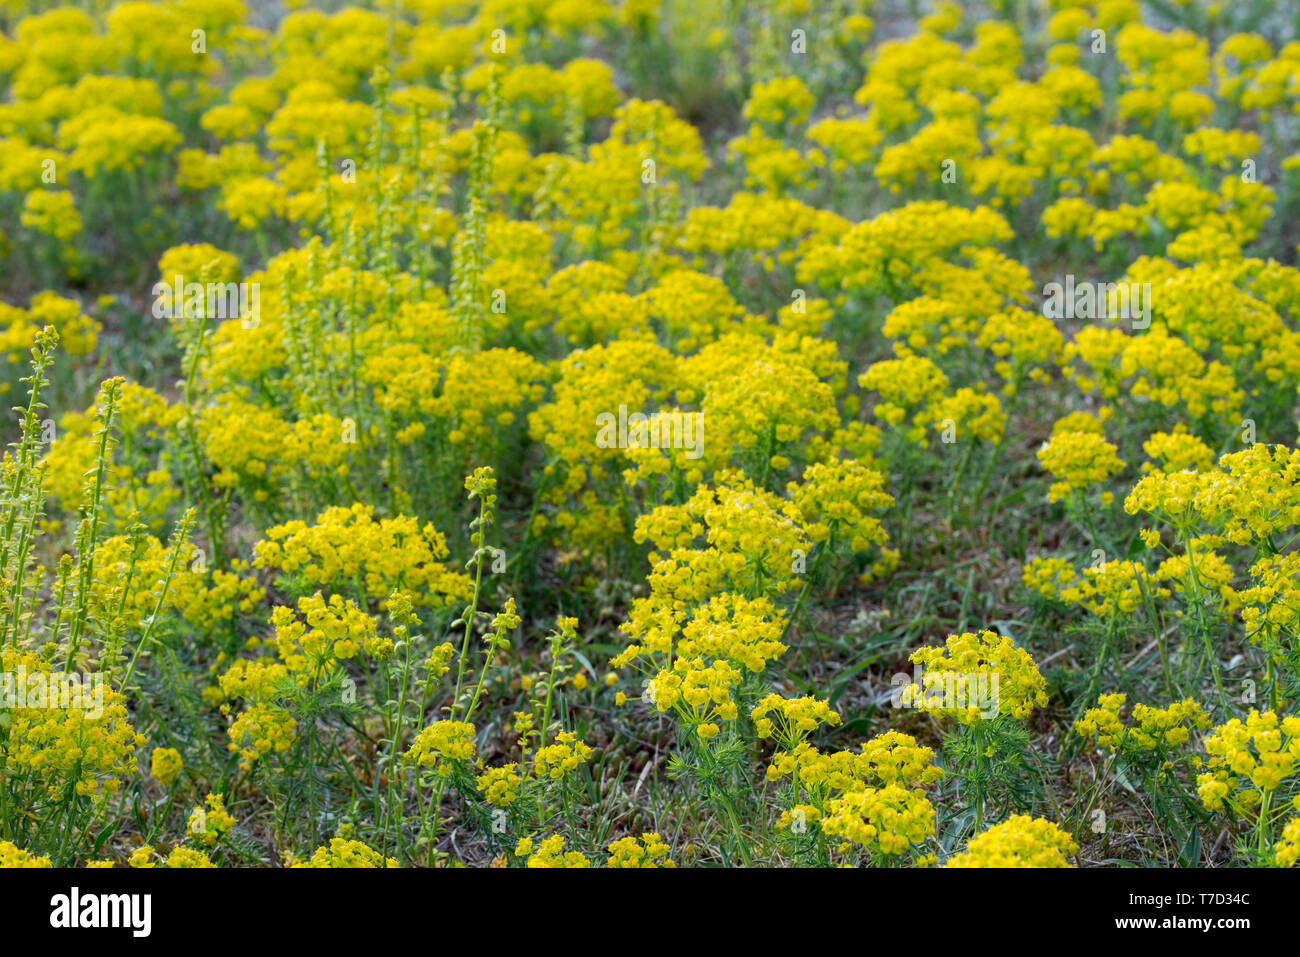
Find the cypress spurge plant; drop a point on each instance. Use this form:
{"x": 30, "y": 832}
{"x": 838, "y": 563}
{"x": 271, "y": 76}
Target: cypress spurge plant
{"x": 516, "y": 798}
{"x": 987, "y": 686}
{"x": 1151, "y": 751}
{"x": 68, "y": 743}
{"x": 1251, "y": 779}
{"x": 24, "y": 499}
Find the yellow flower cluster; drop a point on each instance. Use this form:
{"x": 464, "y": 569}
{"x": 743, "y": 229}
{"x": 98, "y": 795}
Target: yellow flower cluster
{"x": 260, "y": 730}
{"x": 334, "y": 629}
{"x": 841, "y": 500}
{"x": 145, "y": 489}
{"x": 751, "y": 539}
{"x": 650, "y": 852}
{"x": 562, "y": 758}
{"x": 131, "y": 570}
{"x": 342, "y": 852}
{"x": 348, "y": 546}
{"x": 889, "y": 758}
{"x": 1199, "y": 572}
{"x": 1108, "y": 589}
{"x": 1078, "y": 461}
{"x": 188, "y": 857}
{"x": 500, "y": 786}
{"x": 1178, "y": 451}
{"x": 550, "y": 853}
{"x": 1153, "y": 729}
{"x": 1287, "y": 850}
{"x": 889, "y": 251}
{"x": 11, "y": 856}
{"x": 89, "y": 749}
{"x": 791, "y": 720}
{"x": 890, "y": 819}
{"x": 78, "y": 333}
{"x": 208, "y": 825}
{"x": 1019, "y": 841}
{"x": 968, "y": 658}
{"x": 1249, "y": 760}
{"x": 441, "y": 743}
{"x": 166, "y": 765}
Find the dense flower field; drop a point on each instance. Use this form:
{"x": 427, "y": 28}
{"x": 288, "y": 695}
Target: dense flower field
{"x": 639, "y": 433}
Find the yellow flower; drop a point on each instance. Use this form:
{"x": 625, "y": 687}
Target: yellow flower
{"x": 342, "y": 852}
{"x": 890, "y": 820}
{"x": 52, "y": 213}
{"x": 1154, "y": 729}
{"x": 1019, "y": 841}
{"x": 441, "y": 743}
{"x": 209, "y": 825}
{"x": 1249, "y": 760}
{"x": 551, "y": 853}
{"x": 187, "y": 857}
{"x": 962, "y": 661}
{"x": 500, "y": 786}
{"x": 12, "y": 856}
{"x": 1078, "y": 460}
{"x": 89, "y": 746}
{"x": 166, "y": 765}
{"x": 650, "y": 852}
{"x": 557, "y": 761}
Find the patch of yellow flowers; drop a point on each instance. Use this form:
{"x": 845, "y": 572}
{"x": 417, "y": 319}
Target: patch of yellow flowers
{"x": 477, "y": 229}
